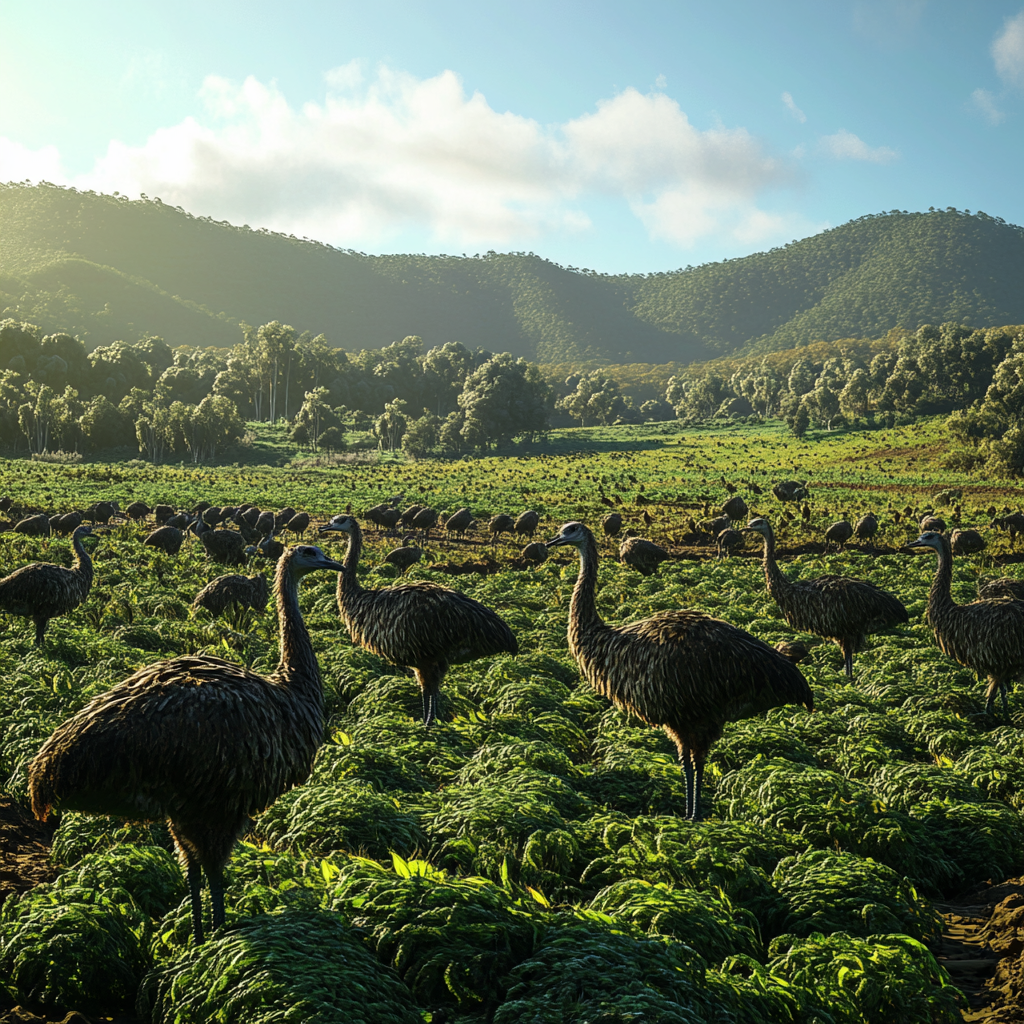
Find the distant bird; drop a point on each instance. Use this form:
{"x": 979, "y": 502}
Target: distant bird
{"x": 795, "y": 650}
{"x": 405, "y": 556}
{"x": 500, "y": 524}
{"x": 165, "y": 538}
{"x": 162, "y": 513}
{"x": 986, "y": 636}
{"x": 298, "y": 524}
{"x": 425, "y": 520}
{"x": 966, "y": 542}
{"x": 283, "y": 517}
{"x": 526, "y": 523}
{"x": 726, "y": 541}
{"x": 838, "y": 534}
{"x": 250, "y": 516}
{"x": 735, "y": 508}
{"x": 390, "y": 518}
{"x": 137, "y": 510}
{"x": 417, "y": 625}
{"x": 866, "y": 527}
{"x": 42, "y": 591}
{"x": 642, "y": 555}
{"x": 220, "y": 545}
{"x": 410, "y": 514}
{"x": 458, "y": 522}
{"x": 1013, "y": 523}
{"x": 933, "y": 524}
{"x": 681, "y": 670}
{"x": 805, "y": 513}
{"x": 611, "y": 524}
{"x": 270, "y": 547}
{"x": 790, "y": 490}
{"x": 1005, "y": 588}
{"x": 6, "y": 504}
{"x": 202, "y": 742}
{"x": 265, "y": 523}
{"x": 233, "y": 591}
{"x": 717, "y": 525}
{"x": 647, "y": 518}
{"x": 536, "y": 552}
{"x": 179, "y": 521}
{"x": 102, "y": 511}
{"x": 67, "y": 523}
{"x": 34, "y": 526}
{"x": 838, "y": 608}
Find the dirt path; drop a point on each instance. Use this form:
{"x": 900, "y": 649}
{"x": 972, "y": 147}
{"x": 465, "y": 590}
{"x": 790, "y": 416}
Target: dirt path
{"x": 981, "y": 948}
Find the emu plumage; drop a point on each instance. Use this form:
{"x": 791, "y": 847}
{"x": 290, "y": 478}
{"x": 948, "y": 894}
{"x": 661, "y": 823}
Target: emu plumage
{"x": 201, "y": 742}
{"x": 681, "y": 670}
{"x": 418, "y": 625}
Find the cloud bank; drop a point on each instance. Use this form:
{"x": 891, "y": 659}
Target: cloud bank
{"x": 1008, "y": 51}
{"x": 844, "y": 145}
{"x": 387, "y": 152}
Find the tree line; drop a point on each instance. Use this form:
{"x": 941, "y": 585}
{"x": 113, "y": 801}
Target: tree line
{"x": 193, "y": 402}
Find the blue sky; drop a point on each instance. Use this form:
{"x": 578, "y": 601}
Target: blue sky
{"x": 613, "y": 136}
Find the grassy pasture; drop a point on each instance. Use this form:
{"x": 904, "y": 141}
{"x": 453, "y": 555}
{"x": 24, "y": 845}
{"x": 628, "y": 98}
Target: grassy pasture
{"x": 526, "y": 860}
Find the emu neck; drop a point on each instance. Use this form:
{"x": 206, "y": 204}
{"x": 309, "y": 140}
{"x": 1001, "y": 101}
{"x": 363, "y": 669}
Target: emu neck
{"x": 940, "y": 600}
{"x": 773, "y": 577}
{"x": 583, "y": 616}
{"x": 348, "y": 581}
{"x": 298, "y": 667}
{"x": 83, "y": 563}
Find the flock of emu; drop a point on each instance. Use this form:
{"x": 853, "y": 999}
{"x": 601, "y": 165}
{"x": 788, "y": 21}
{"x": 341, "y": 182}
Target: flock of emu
{"x": 133, "y": 751}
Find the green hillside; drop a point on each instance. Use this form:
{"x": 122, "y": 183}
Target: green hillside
{"x": 108, "y": 268}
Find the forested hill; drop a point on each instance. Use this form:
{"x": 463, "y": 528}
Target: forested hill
{"x": 109, "y": 269}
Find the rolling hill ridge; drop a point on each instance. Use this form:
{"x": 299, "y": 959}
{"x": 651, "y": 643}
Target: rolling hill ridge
{"x": 106, "y": 268}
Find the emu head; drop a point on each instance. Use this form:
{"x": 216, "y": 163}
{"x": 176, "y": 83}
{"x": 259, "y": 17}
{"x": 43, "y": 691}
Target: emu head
{"x": 575, "y": 534}
{"x": 343, "y": 523}
{"x": 929, "y": 539}
{"x": 305, "y": 558}
{"x": 759, "y": 525}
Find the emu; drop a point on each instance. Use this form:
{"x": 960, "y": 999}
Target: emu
{"x": 42, "y": 591}
{"x": 200, "y": 742}
{"x": 417, "y": 625}
{"x": 642, "y": 555}
{"x": 986, "y": 636}
{"x": 681, "y": 670}
{"x": 838, "y": 608}
{"x": 233, "y": 591}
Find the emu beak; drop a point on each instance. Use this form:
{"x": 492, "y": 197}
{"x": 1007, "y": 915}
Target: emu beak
{"x": 334, "y": 566}
{"x": 919, "y": 543}
{"x": 554, "y": 542}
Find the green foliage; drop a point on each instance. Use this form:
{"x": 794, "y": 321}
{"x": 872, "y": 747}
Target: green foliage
{"x": 278, "y": 969}
{"x": 705, "y": 921}
{"x": 854, "y": 980}
{"x": 587, "y": 972}
{"x": 150, "y": 875}
{"x": 350, "y": 817}
{"x": 452, "y": 940}
{"x": 832, "y": 892}
{"x": 81, "y": 834}
{"x": 74, "y": 947}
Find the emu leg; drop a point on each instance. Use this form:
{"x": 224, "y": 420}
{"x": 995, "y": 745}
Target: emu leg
{"x": 698, "y": 782}
{"x": 41, "y": 624}
{"x": 684, "y": 758}
{"x": 1003, "y": 688}
{"x": 429, "y": 677}
{"x": 848, "y": 658}
{"x": 216, "y": 879}
{"x": 195, "y": 889}
{"x": 990, "y": 696}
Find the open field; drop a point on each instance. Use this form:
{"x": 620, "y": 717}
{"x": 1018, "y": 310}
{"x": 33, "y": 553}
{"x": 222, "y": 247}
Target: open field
{"x": 527, "y": 859}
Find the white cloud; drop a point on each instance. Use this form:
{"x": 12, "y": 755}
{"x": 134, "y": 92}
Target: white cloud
{"x": 1008, "y": 51}
{"x": 844, "y": 145}
{"x": 793, "y": 108}
{"x": 18, "y": 162}
{"x": 389, "y": 152}
{"x": 985, "y": 103}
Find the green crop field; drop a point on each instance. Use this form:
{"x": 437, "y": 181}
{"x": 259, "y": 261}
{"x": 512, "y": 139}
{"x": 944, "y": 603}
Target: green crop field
{"x": 527, "y": 859}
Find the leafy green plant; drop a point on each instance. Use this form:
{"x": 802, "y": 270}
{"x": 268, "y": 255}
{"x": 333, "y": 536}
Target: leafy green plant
{"x": 705, "y": 921}
{"x": 80, "y": 834}
{"x": 74, "y": 947}
{"x": 150, "y": 875}
{"x": 349, "y": 817}
{"x": 882, "y": 979}
{"x": 826, "y": 891}
{"x": 276, "y": 969}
